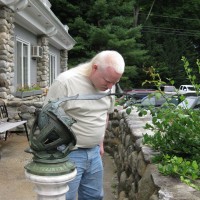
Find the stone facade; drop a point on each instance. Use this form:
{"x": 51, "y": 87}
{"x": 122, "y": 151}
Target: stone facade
{"x": 138, "y": 178}
{"x": 6, "y": 51}
{"x": 7, "y": 44}
{"x": 63, "y": 60}
{"x": 43, "y": 63}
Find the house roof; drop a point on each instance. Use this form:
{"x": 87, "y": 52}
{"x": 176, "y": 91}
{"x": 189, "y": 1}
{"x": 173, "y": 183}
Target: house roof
{"x": 37, "y": 17}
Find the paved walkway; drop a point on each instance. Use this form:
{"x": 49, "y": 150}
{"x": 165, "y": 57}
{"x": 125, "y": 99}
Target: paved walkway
{"x": 14, "y": 185}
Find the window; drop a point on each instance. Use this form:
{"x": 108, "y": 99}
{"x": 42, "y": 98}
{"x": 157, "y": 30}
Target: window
{"x": 23, "y": 63}
{"x": 52, "y": 68}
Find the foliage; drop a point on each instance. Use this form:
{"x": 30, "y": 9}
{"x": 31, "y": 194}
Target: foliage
{"x": 191, "y": 76}
{"x": 169, "y": 31}
{"x": 176, "y": 132}
{"x": 188, "y": 171}
{"x": 120, "y": 101}
{"x": 176, "y": 135}
{"x": 145, "y": 33}
{"x": 100, "y": 25}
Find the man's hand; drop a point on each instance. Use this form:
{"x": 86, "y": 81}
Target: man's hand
{"x": 101, "y": 149}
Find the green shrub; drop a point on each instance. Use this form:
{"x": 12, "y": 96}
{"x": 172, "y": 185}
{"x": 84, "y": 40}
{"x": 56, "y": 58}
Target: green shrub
{"x": 176, "y": 134}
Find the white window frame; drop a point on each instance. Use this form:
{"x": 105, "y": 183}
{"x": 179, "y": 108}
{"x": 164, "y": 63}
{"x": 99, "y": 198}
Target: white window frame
{"x": 52, "y": 67}
{"x": 25, "y": 56}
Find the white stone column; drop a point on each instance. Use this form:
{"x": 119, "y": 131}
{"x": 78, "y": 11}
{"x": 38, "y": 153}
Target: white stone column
{"x": 51, "y": 187}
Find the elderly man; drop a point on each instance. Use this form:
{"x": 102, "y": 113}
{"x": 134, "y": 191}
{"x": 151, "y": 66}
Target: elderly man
{"x": 99, "y": 75}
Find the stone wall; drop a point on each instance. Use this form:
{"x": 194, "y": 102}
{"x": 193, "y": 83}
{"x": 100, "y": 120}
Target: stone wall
{"x": 6, "y": 51}
{"x": 26, "y": 107}
{"x": 138, "y": 178}
{"x": 43, "y": 63}
{"x": 63, "y": 60}
{"x": 7, "y": 44}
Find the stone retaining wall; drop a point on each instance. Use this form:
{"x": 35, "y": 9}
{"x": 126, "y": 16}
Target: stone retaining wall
{"x": 138, "y": 178}
{"x": 7, "y": 48}
{"x": 26, "y": 107}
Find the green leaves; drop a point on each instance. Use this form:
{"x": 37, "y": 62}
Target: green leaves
{"x": 128, "y": 111}
{"x": 100, "y": 25}
{"x": 187, "y": 171}
{"x": 190, "y": 73}
{"x": 176, "y": 134}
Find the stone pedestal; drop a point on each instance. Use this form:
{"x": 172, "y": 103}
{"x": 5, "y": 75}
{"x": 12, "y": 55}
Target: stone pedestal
{"x": 50, "y": 179}
{"x": 51, "y": 187}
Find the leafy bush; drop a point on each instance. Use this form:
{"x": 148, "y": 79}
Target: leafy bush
{"x": 176, "y": 135}
{"x": 176, "y": 132}
{"x": 188, "y": 171}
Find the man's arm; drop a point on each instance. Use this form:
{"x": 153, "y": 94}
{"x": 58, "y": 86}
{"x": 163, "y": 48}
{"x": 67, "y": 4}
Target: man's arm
{"x": 101, "y": 144}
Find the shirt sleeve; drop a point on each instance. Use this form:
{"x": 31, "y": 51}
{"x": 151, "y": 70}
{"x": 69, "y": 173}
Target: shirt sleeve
{"x": 56, "y": 91}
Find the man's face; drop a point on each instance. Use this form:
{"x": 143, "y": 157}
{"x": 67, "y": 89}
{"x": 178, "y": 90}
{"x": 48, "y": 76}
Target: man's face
{"x": 105, "y": 78}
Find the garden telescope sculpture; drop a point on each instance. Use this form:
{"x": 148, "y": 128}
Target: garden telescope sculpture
{"x": 51, "y": 137}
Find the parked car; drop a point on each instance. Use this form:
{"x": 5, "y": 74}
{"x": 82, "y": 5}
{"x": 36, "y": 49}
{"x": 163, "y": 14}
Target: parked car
{"x": 140, "y": 93}
{"x": 152, "y": 101}
{"x": 184, "y": 89}
{"x": 164, "y": 100}
{"x": 169, "y": 89}
{"x": 190, "y": 102}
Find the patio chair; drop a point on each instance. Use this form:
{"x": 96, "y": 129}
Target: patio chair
{"x": 6, "y": 125}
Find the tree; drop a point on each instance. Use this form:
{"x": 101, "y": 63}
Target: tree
{"x": 147, "y": 33}
{"x": 169, "y": 30}
{"x": 102, "y": 24}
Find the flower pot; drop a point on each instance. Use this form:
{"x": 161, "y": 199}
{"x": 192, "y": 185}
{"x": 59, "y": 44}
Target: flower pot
{"x": 23, "y": 94}
{"x": 37, "y": 92}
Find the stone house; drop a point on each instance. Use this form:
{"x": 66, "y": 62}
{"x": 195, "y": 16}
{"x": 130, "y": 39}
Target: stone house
{"x": 34, "y": 45}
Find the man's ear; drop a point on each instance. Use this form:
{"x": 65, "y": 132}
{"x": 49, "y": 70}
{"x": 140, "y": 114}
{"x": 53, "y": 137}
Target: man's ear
{"x": 94, "y": 67}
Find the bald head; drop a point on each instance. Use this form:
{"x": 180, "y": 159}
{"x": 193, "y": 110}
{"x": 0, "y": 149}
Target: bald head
{"x": 110, "y": 58}
{"x": 107, "y": 68}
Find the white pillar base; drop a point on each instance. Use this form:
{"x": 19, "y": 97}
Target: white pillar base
{"x": 51, "y": 187}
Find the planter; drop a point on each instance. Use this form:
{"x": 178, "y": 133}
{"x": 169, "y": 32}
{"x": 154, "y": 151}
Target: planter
{"x": 37, "y": 92}
{"x": 23, "y": 94}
